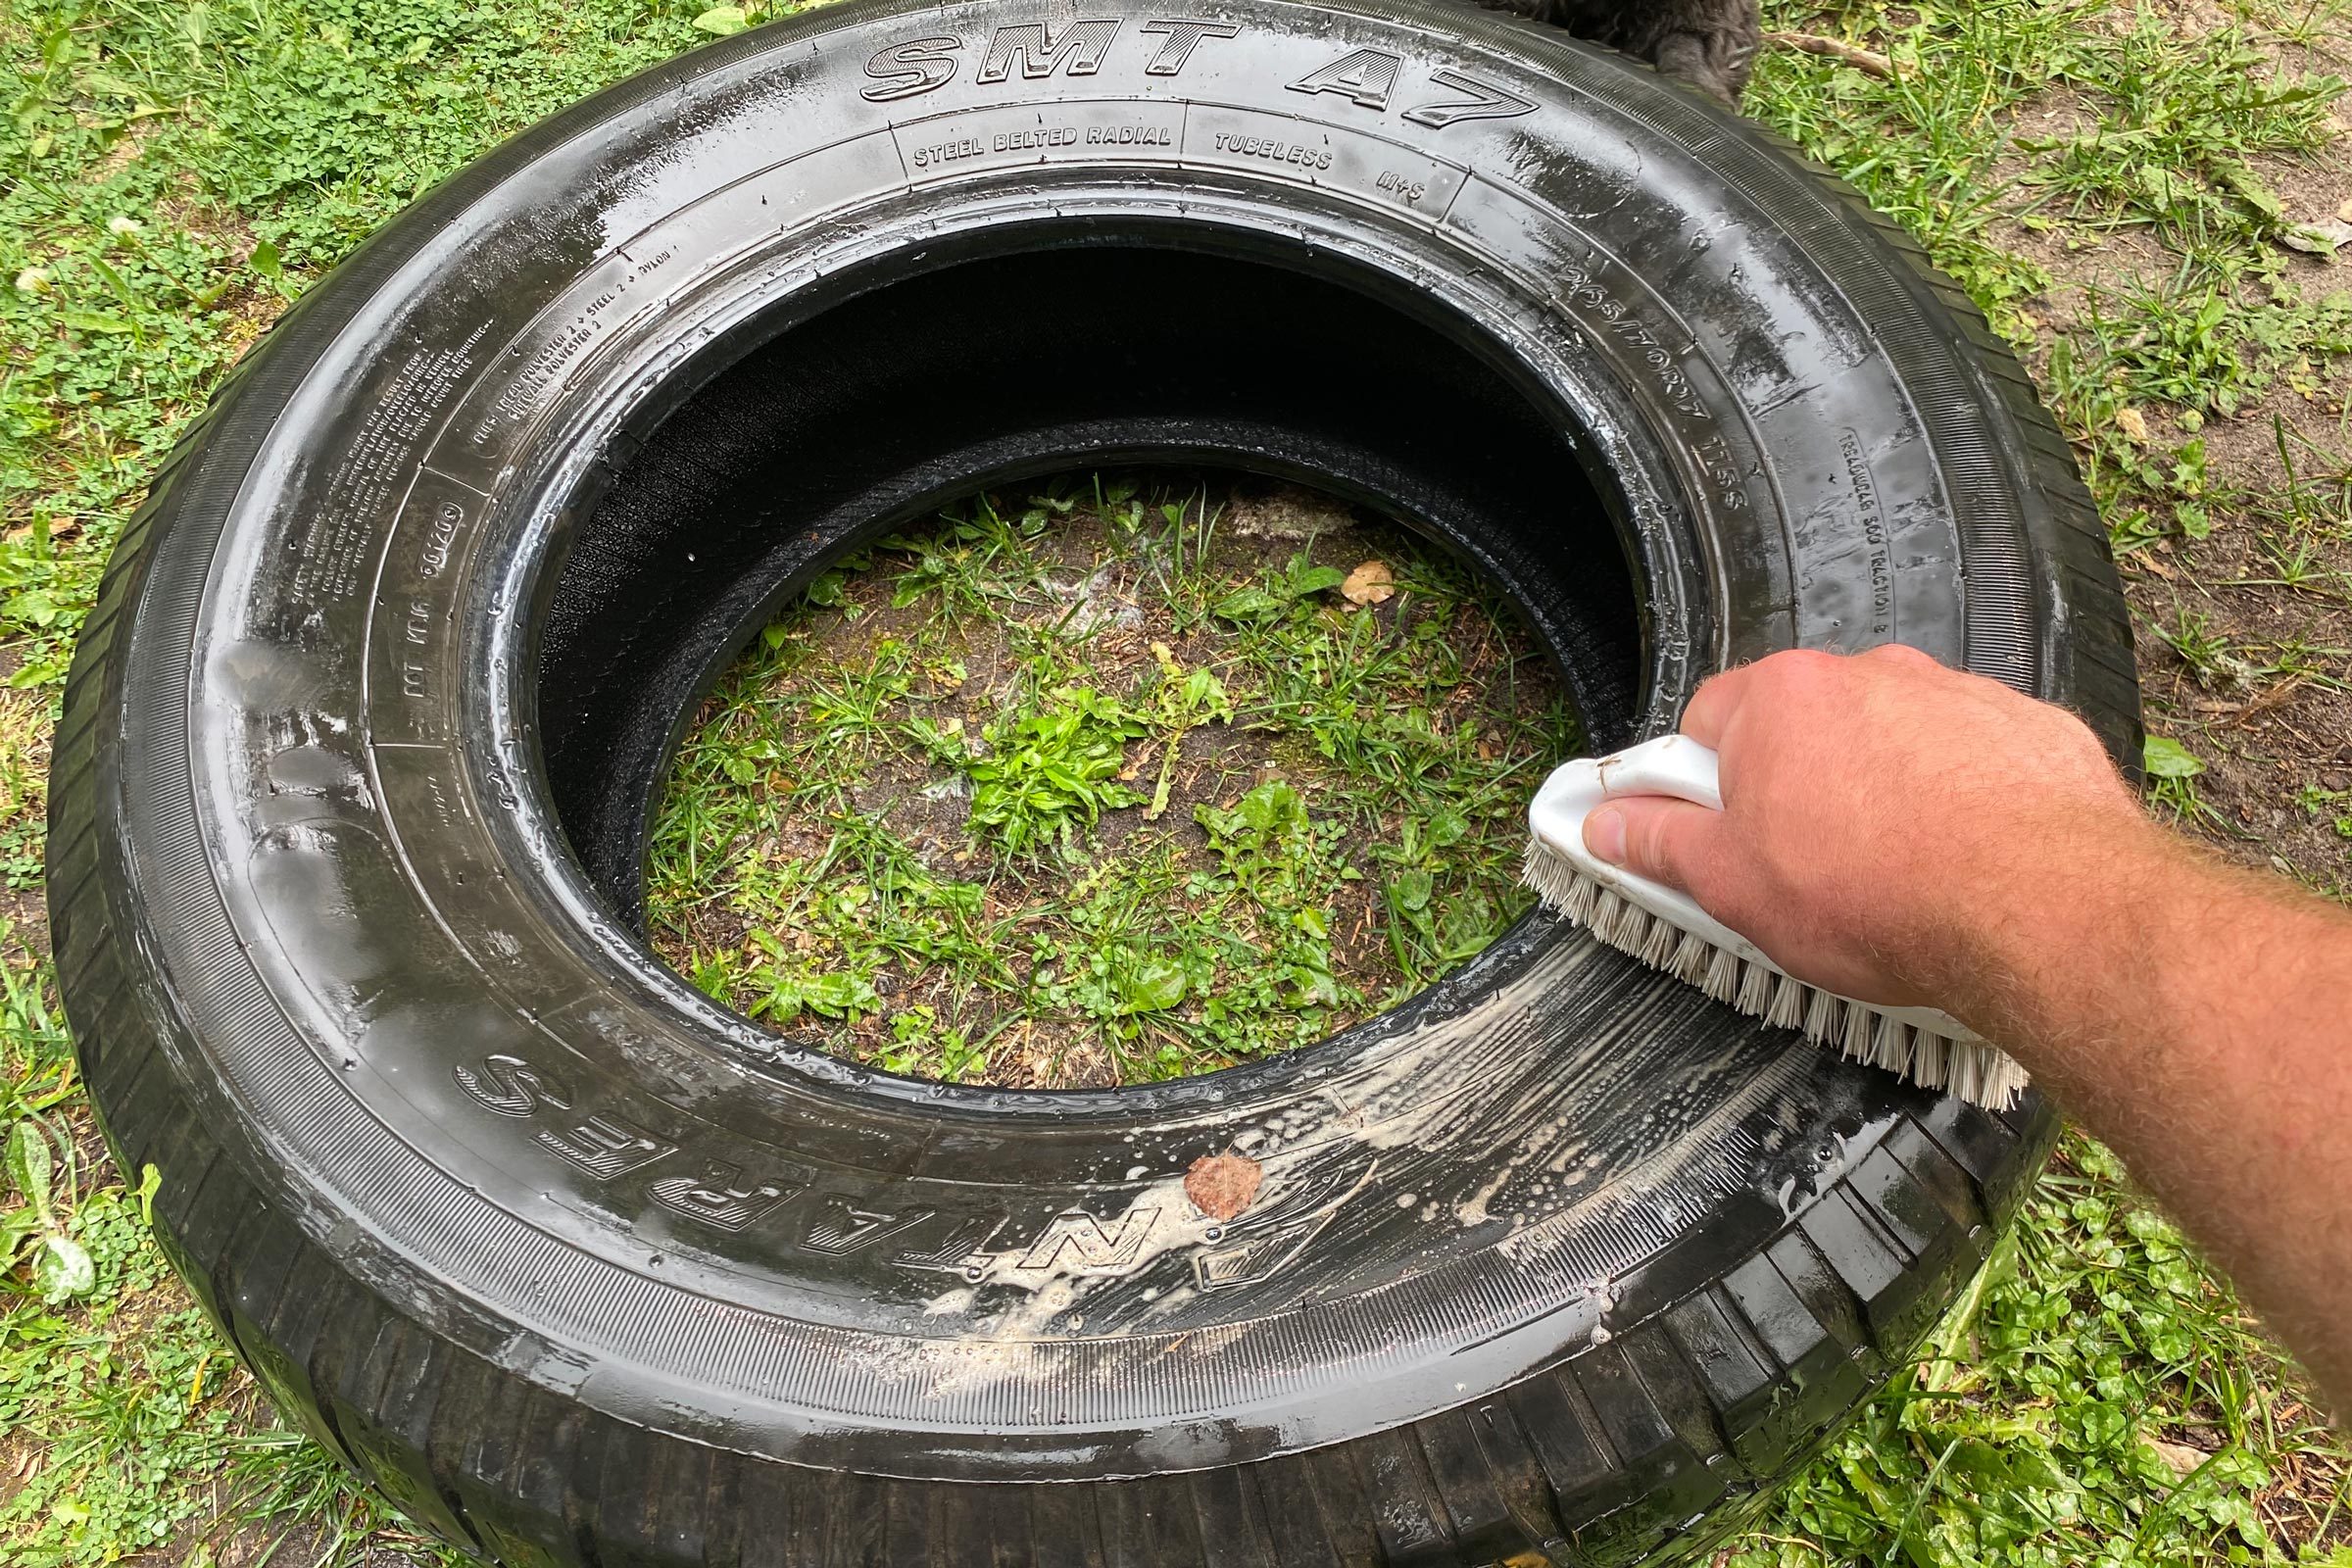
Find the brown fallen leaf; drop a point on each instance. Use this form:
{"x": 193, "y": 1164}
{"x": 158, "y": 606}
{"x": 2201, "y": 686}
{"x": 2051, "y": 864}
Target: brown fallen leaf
{"x": 1371, "y": 583}
{"x": 1221, "y": 1186}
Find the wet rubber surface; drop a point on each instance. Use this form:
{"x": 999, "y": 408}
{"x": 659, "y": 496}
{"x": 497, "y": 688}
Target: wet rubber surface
{"x": 351, "y": 793}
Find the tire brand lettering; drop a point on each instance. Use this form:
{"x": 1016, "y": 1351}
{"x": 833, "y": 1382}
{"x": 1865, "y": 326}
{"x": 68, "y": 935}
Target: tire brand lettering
{"x": 1073, "y": 1243}
{"x": 904, "y": 70}
{"x": 1483, "y": 102}
{"x": 838, "y": 1228}
{"x": 966, "y": 1240}
{"x": 719, "y": 1196}
{"x": 1365, "y": 78}
{"x": 510, "y": 1086}
{"x": 1040, "y": 50}
{"x": 1181, "y": 37}
{"x": 781, "y": 1198}
{"x": 605, "y": 1144}
{"x": 1274, "y": 151}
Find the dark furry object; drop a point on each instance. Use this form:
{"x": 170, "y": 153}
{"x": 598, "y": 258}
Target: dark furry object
{"x": 1709, "y": 43}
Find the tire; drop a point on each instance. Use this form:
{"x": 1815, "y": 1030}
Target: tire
{"x": 1559, "y": 1261}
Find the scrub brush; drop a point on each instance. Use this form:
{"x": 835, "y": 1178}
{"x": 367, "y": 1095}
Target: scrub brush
{"x": 1667, "y": 931}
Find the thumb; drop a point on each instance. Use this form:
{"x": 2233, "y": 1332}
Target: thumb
{"x": 1653, "y": 836}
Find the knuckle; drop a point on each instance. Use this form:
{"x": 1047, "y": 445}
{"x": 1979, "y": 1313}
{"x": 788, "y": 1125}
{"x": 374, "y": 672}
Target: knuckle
{"x": 1808, "y": 666}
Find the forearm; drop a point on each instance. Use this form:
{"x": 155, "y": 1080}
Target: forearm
{"x": 1896, "y": 831}
{"x": 2198, "y": 1018}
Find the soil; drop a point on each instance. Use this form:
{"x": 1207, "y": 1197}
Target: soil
{"x": 2276, "y": 746}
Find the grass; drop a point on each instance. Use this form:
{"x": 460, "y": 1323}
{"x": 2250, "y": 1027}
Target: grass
{"x": 1094, "y": 789}
{"x": 2138, "y": 194}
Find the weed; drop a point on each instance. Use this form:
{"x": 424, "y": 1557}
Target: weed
{"x": 1136, "y": 823}
{"x": 1043, "y": 773}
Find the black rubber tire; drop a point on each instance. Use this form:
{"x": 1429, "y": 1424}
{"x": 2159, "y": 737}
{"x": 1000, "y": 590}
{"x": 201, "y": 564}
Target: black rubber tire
{"x": 1559, "y": 1262}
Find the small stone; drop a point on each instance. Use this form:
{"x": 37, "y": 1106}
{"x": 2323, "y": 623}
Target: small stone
{"x": 2324, "y": 238}
{"x": 1287, "y": 511}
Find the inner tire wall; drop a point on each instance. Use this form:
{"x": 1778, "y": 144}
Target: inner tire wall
{"x": 1075, "y": 349}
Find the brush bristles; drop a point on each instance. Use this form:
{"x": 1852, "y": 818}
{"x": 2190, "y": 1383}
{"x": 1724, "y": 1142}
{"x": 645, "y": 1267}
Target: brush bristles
{"x": 1927, "y": 1060}
{"x": 1855, "y": 1041}
{"x": 1971, "y": 1070}
{"x": 1967, "y": 1076}
{"x": 1691, "y": 956}
{"x": 1822, "y": 1011}
{"x": 1893, "y": 1045}
{"x": 1722, "y": 980}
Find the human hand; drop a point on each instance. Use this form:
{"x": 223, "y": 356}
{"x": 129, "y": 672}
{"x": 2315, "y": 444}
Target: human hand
{"x": 1885, "y": 818}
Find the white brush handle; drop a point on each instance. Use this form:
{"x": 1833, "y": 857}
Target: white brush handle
{"x": 1678, "y": 766}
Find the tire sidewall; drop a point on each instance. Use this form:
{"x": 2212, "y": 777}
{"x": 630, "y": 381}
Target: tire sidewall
{"x": 481, "y": 1081}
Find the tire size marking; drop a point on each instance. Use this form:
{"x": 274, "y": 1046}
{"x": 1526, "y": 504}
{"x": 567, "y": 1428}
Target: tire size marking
{"x": 1581, "y": 288}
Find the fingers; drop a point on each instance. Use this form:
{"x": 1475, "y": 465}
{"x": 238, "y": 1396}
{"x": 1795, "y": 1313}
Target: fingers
{"x": 1665, "y": 840}
{"x": 1903, "y": 655}
{"x": 1708, "y": 717}
{"x": 1711, "y": 706}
